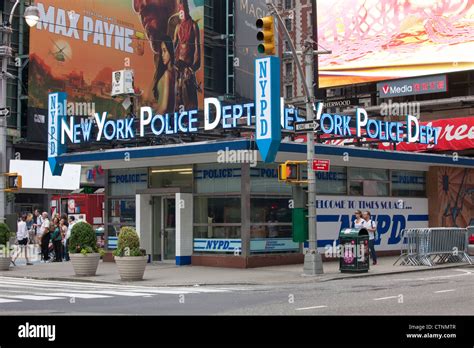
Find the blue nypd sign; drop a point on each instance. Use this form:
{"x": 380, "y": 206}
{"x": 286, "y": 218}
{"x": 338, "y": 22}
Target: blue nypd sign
{"x": 56, "y": 115}
{"x": 267, "y": 107}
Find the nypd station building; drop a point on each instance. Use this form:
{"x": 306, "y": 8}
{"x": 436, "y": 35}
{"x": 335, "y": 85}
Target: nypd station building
{"x": 217, "y": 203}
{"x": 189, "y": 208}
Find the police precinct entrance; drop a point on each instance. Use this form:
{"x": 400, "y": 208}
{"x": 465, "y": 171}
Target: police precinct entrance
{"x": 190, "y": 207}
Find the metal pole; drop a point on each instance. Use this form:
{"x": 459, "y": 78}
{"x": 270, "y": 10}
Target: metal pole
{"x": 5, "y": 50}
{"x": 313, "y": 263}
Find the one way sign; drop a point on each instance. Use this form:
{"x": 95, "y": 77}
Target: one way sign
{"x": 306, "y": 126}
{"x": 4, "y": 112}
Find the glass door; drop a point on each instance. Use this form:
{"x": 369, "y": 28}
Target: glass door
{"x": 168, "y": 228}
{"x": 156, "y": 229}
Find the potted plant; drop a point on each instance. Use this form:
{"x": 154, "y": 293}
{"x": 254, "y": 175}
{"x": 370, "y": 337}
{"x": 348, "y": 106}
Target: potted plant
{"x": 130, "y": 259}
{"x": 5, "y": 256}
{"x": 83, "y": 250}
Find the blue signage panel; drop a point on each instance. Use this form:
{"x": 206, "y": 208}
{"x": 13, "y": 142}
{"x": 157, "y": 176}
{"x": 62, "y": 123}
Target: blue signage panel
{"x": 267, "y": 107}
{"x": 56, "y": 115}
{"x": 273, "y": 244}
{"x": 217, "y": 245}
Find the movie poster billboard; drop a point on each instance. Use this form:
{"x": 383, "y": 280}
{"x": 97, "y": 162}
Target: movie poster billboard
{"x": 77, "y": 45}
{"x": 246, "y": 14}
{"x": 374, "y": 40}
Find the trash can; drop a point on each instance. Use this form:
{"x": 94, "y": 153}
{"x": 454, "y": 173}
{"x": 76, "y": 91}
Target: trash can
{"x": 354, "y": 250}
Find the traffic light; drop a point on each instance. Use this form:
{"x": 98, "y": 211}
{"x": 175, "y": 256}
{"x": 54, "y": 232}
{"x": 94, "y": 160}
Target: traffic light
{"x": 266, "y": 34}
{"x": 12, "y": 182}
{"x": 290, "y": 171}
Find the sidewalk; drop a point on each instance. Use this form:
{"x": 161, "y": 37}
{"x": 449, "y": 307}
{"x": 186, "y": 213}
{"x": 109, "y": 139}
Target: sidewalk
{"x": 159, "y": 274}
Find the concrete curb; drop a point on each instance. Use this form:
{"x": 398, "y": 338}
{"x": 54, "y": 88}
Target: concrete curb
{"x": 308, "y": 279}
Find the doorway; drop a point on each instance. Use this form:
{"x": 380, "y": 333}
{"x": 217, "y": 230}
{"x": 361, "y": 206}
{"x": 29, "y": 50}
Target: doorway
{"x": 164, "y": 228}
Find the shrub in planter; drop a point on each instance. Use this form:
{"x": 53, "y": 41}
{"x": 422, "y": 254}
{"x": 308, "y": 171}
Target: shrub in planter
{"x": 130, "y": 259}
{"x": 83, "y": 249}
{"x": 5, "y": 257}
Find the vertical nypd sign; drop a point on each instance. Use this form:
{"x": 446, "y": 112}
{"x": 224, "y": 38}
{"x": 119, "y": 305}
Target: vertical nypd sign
{"x": 56, "y": 112}
{"x": 267, "y": 107}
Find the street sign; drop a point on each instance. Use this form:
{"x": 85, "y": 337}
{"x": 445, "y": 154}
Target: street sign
{"x": 320, "y": 165}
{"x": 267, "y": 107}
{"x": 4, "y": 112}
{"x": 306, "y": 126}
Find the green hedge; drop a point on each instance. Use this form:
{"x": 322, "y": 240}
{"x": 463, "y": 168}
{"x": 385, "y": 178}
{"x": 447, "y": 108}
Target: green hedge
{"x": 5, "y": 234}
{"x": 128, "y": 243}
{"x": 83, "y": 239}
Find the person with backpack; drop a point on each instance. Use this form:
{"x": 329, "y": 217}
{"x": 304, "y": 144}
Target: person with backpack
{"x": 371, "y": 227}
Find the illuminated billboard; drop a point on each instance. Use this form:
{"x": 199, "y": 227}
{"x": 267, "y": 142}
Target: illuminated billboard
{"x": 77, "y": 45}
{"x": 374, "y": 40}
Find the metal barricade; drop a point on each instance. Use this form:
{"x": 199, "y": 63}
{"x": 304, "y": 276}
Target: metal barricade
{"x": 431, "y": 246}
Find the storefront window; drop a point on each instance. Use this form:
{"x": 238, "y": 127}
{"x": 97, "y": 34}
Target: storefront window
{"x": 368, "y": 174}
{"x": 126, "y": 182}
{"x": 217, "y": 227}
{"x": 212, "y": 210}
{"x": 270, "y": 217}
{"x": 122, "y": 211}
{"x": 368, "y": 182}
{"x": 333, "y": 182}
{"x": 164, "y": 177}
{"x": 264, "y": 179}
{"x": 216, "y": 231}
{"x": 408, "y": 183}
{"x": 217, "y": 178}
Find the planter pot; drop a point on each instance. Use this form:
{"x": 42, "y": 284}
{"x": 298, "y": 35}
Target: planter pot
{"x": 5, "y": 263}
{"x": 131, "y": 267}
{"x": 85, "y": 265}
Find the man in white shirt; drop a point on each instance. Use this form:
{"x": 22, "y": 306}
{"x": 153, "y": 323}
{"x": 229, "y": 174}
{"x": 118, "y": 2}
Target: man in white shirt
{"x": 371, "y": 227}
{"x": 22, "y": 238}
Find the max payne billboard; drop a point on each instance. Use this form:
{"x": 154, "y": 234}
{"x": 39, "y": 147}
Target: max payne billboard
{"x": 77, "y": 45}
{"x": 246, "y": 14}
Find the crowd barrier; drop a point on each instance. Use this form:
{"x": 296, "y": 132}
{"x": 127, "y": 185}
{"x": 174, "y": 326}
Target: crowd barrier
{"x": 431, "y": 246}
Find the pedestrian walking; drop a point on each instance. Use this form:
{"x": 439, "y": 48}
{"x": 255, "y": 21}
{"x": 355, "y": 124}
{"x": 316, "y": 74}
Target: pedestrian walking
{"x": 45, "y": 236}
{"x": 56, "y": 238}
{"x": 358, "y": 222}
{"x": 29, "y": 226}
{"x": 371, "y": 228}
{"x": 37, "y": 225}
{"x": 72, "y": 221}
{"x": 63, "y": 224}
{"x": 22, "y": 240}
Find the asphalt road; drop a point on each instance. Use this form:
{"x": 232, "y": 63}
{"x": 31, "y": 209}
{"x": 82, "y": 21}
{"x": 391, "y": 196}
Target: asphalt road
{"x": 440, "y": 292}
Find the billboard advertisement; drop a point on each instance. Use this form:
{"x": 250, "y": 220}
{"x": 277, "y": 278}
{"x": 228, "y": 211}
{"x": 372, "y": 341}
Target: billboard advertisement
{"x": 391, "y": 214}
{"x": 374, "y": 40}
{"x": 246, "y": 14}
{"x": 77, "y": 45}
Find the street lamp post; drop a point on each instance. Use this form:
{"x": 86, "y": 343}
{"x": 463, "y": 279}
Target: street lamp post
{"x": 32, "y": 17}
{"x": 313, "y": 264}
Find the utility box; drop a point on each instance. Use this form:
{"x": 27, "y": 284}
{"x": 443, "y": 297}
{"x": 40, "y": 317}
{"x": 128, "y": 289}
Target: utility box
{"x": 354, "y": 250}
{"x": 300, "y": 225}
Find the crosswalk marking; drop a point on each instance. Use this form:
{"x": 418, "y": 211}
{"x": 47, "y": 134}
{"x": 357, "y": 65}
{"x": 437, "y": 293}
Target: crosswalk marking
{"x": 78, "y": 295}
{"x": 4, "y": 300}
{"x": 14, "y": 289}
{"x": 33, "y": 297}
